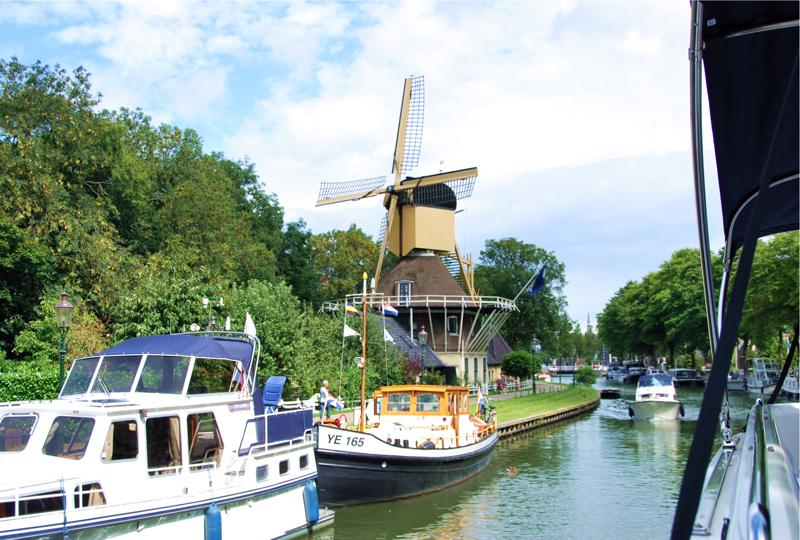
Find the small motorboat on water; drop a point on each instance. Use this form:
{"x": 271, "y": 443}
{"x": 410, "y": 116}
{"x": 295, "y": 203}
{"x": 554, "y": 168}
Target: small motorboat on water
{"x": 656, "y": 399}
{"x": 737, "y": 381}
{"x": 156, "y": 437}
{"x": 420, "y": 438}
{"x": 791, "y": 388}
{"x": 687, "y": 377}
{"x": 762, "y": 376}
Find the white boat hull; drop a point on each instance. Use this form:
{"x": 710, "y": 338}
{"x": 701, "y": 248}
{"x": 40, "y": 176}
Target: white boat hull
{"x": 656, "y": 410}
{"x": 765, "y": 390}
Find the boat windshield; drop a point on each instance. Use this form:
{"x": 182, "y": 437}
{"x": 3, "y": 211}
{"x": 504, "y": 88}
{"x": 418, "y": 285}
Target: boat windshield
{"x": 163, "y": 374}
{"x": 80, "y": 376}
{"x": 658, "y": 379}
{"x": 116, "y": 374}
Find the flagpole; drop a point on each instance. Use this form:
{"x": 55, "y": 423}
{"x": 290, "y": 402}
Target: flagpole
{"x": 524, "y": 287}
{"x": 341, "y": 356}
{"x": 363, "y": 354}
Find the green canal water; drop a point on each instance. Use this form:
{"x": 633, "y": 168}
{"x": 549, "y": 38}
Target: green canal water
{"x": 601, "y": 476}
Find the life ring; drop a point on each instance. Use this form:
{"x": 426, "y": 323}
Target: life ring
{"x": 341, "y": 421}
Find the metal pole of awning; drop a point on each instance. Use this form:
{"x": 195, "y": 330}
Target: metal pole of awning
{"x": 696, "y": 83}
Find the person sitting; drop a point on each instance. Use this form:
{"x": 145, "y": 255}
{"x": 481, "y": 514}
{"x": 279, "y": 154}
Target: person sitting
{"x": 326, "y": 400}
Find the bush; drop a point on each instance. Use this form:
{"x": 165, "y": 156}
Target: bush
{"x": 20, "y": 381}
{"x": 585, "y": 375}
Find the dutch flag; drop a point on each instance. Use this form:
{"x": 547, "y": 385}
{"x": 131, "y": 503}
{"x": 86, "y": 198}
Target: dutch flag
{"x": 389, "y": 310}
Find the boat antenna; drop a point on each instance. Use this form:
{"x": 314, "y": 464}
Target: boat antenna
{"x": 363, "y": 351}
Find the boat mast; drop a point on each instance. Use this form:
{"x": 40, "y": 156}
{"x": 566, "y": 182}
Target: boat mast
{"x": 363, "y": 352}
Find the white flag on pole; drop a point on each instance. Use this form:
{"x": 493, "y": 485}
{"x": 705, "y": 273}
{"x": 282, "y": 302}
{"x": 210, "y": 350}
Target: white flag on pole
{"x": 387, "y": 336}
{"x": 249, "y": 325}
{"x": 228, "y": 323}
{"x": 350, "y": 332}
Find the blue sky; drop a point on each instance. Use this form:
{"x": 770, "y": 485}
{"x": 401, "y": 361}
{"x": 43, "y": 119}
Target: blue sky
{"x": 575, "y": 113}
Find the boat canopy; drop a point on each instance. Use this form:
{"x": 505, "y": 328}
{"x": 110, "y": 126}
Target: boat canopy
{"x": 749, "y": 50}
{"x": 187, "y": 345}
{"x": 656, "y": 379}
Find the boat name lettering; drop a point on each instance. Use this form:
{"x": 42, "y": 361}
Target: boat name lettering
{"x": 238, "y": 407}
{"x": 346, "y": 441}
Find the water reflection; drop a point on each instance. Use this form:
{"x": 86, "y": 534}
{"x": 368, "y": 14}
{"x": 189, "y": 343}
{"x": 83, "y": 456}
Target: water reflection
{"x": 600, "y": 476}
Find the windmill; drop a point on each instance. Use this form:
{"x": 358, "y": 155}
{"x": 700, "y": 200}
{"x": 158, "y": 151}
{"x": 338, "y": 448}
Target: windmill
{"x": 420, "y": 211}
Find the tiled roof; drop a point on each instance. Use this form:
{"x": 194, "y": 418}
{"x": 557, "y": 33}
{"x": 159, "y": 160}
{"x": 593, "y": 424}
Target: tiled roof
{"x": 408, "y": 346}
{"x": 498, "y": 348}
{"x": 429, "y": 274}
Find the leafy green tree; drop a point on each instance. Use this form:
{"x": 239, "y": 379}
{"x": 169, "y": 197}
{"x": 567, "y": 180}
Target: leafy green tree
{"x": 585, "y": 375}
{"x": 296, "y": 265}
{"x": 520, "y": 363}
{"x": 505, "y": 266}
{"x": 340, "y": 259}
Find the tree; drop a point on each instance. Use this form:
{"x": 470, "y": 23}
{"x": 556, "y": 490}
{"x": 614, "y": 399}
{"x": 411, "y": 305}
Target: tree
{"x": 340, "y": 259}
{"x": 505, "y": 266}
{"x": 585, "y": 375}
{"x": 295, "y": 263}
{"x": 520, "y": 364}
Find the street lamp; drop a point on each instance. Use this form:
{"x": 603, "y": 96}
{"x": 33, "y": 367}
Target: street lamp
{"x": 211, "y": 319}
{"x": 423, "y": 342}
{"x": 63, "y": 318}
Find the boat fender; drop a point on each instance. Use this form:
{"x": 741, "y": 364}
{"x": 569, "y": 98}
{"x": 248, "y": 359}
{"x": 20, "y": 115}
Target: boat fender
{"x": 680, "y": 410}
{"x": 630, "y": 412}
{"x": 311, "y": 502}
{"x": 428, "y": 445}
{"x": 341, "y": 421}
{"x": 213, "y": 523}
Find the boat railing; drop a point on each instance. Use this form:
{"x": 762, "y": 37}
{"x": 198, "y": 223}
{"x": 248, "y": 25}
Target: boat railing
{"x": 758, "y": 510}
{"x": 271, "y": 430}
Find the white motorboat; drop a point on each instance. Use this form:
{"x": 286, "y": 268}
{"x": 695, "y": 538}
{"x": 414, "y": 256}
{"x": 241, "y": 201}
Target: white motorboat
{"x": 656, "y": 399}
{"x": 687, "y": 377}
{"x": 749, "y": 55}
{"x": 762, "y": 377}
{"x": 737, "y": 381}
{"x": 791, "y": 388}
{"x": 616, "y": 373}
{"x": 159, "y": 437}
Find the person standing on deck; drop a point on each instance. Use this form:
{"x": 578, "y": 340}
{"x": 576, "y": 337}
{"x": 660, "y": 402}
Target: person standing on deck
{"x": 324, "y": 400}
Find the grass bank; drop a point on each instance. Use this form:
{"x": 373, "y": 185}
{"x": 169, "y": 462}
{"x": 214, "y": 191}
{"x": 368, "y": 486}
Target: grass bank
{"x": 533, "y": 405}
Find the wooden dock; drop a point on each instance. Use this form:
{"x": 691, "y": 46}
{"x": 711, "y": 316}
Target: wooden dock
{"x": 515, "y": 427}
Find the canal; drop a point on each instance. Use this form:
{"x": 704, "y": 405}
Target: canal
{"x": 600, "y": 476}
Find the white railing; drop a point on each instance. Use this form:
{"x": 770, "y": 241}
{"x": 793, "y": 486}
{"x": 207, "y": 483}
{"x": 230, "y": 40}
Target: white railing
{"x": 426, "y": 300}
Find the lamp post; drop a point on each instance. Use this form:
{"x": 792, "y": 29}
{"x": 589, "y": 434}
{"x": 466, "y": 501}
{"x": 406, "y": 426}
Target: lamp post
{"x": 423, "y": 342}
{"x": 63, "y": 319}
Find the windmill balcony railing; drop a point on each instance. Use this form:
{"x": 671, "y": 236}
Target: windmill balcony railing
{"x": 375, "y": 301}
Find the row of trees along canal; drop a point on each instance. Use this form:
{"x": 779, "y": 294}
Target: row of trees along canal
{"x": 664, "y": 314}
{"x": 137, "y": 222}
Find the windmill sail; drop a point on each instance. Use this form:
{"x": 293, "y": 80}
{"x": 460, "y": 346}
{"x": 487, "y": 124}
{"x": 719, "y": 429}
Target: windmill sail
{"x": 409, "y": 130}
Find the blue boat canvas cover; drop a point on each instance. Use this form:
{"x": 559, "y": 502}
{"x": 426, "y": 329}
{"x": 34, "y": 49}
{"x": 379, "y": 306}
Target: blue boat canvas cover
{"x": 187, "y": 345}
{"x": 753, "y": 102}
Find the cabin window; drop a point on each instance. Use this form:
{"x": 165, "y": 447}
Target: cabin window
{"x": 213, "y": 375}
{"x": 163, "y": 374}
{"x": 283, "y": 466}
{"x": 163, "y": 445}
{"x": 89, "y": 495}
{"x": 116, "y": 374}
{"x": 398, "y": 403}
{"x": 428, "y": 403}
{"x": 80, "y": 375}
{"x": 404, "y": 292}
{"x": 121, "y": 441}
{"x": 452, "y": 325}
{"x": 68, "y": 437}
{"x": 261, "y": 473}
{"x": 15, "y": 431}
{"x": 205, "y": 442}
{"x": 303, "y": 462}
{"x": 37, "y": 503}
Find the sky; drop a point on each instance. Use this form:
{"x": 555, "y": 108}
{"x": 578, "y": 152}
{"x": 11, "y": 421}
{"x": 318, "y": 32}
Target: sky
{"x": 575, "y": 113}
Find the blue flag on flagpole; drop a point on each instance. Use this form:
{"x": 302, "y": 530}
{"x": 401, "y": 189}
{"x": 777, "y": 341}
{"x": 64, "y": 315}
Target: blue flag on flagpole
{"x": 538, "y": 281}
